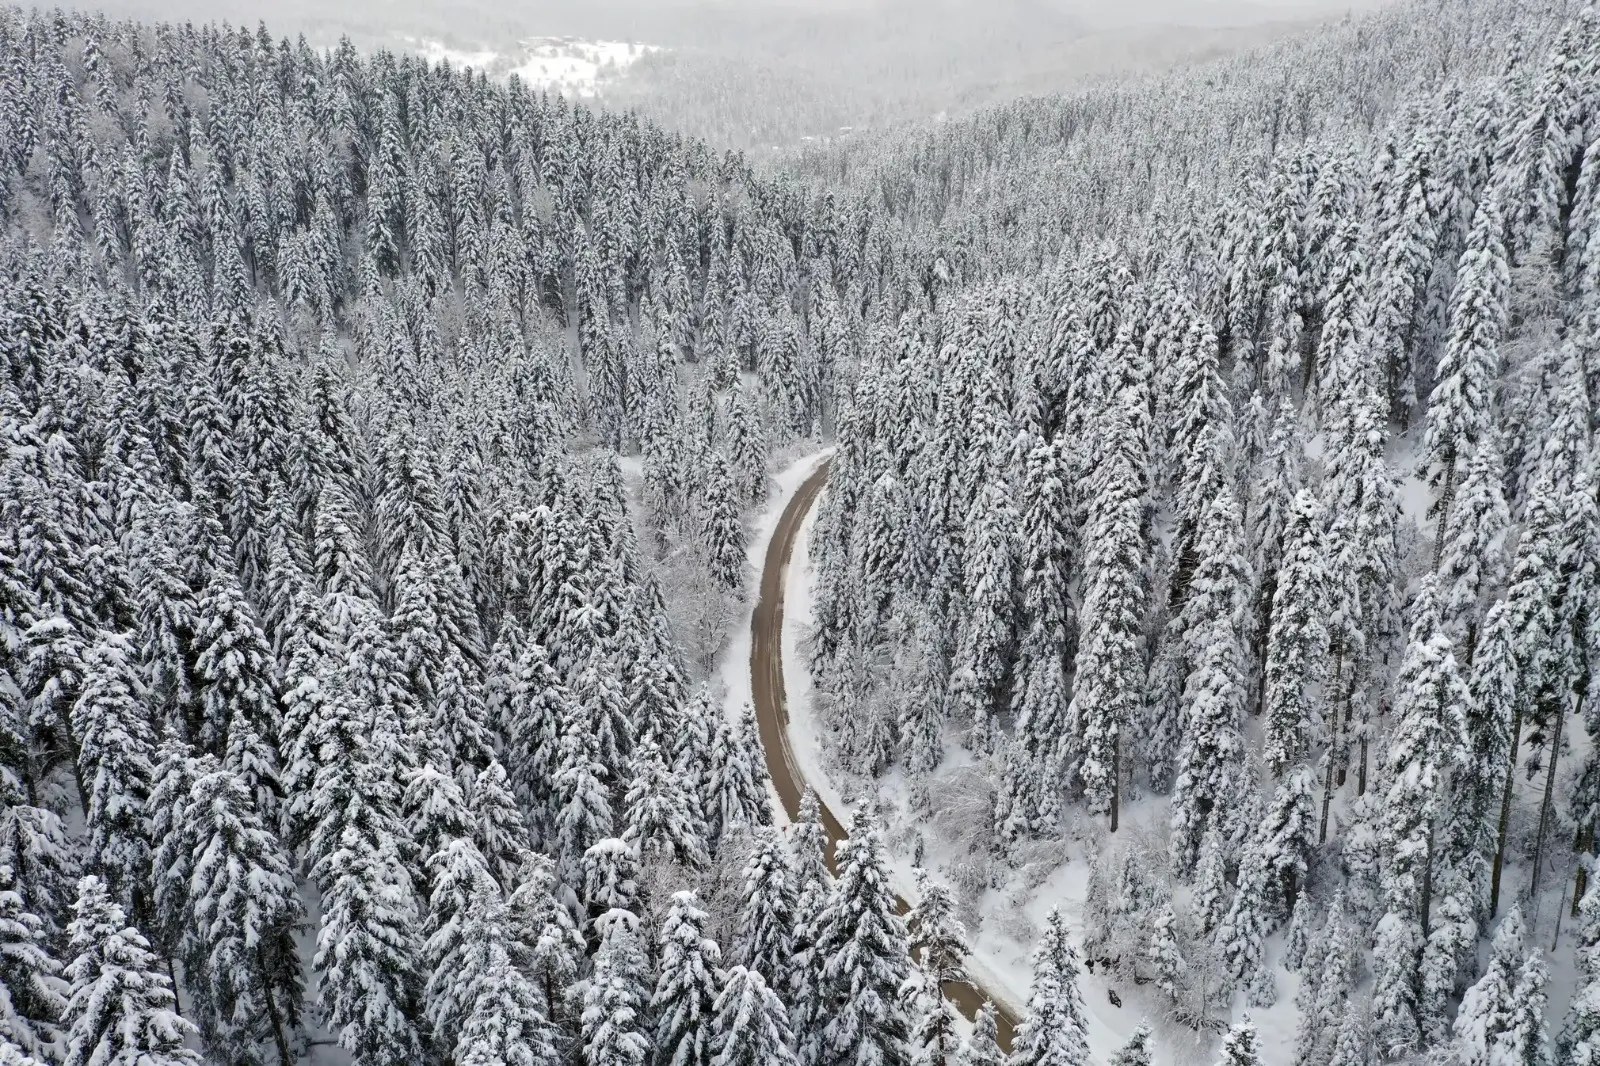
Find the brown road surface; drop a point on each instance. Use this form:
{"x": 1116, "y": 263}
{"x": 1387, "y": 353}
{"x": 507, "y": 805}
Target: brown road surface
{"x": 772, "y": 710}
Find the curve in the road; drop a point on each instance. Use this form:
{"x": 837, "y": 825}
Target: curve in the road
{"x": 772, "y": 712}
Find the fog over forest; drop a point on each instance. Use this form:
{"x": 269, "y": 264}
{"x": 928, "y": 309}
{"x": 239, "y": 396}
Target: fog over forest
{"x": 754, "y": 74}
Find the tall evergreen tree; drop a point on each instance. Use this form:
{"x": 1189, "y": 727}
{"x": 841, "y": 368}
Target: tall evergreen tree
{"x": 751, "y": 1027}
{"x": 1053, "y": 1032}
{"x": 684, "y": 1004}
{"x": 615, "y": 997}
{"x": 121, "y": 1007}
{"x": 1297, "y": 640}
{"x": 861, "y": 952}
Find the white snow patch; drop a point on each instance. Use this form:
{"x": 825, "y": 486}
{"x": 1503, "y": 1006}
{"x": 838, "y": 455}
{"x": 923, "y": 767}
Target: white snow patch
{"x": 572, "y": 66}
{"x": 438, "y": 51}
{"x": 575, "y": 66}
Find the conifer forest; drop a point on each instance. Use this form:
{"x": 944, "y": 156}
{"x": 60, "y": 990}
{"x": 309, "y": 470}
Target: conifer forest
{"x": 1106, "y": 579}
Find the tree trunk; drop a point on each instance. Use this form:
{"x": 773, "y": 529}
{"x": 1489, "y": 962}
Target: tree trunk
{"x": 1361, "y": 778}
{"x": 172, "y": 975}
{"x": 279, "y": 1037}
{"x": 1549, "y": 794}
{"x": 1427, "y": 884}
{"x": 1446, "y": 496}
{"x": 1116, "y": 777}
{"x": 1341, "y": 721}
{"x": 1327, "y": 783}
{"x": 1584, "y": 842}
{"x": 1505, "y": 813}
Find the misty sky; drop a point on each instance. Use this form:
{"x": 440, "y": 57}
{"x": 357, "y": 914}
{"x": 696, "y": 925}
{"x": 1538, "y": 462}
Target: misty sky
{"x": 680, "y": 22}
{"x": 765, "y": 74}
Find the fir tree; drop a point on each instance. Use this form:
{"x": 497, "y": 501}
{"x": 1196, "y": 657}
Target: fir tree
{"x": 233, "y": 897}
{"x": 1579, "y": 1041}
{"x": 1110, "y": 634}
{"x": 750, "y": 1027}
{"x": 115, "y": 756}
{"x": 1241, "y": 1046}
{"x": 768, "y": 911}
{"x": 1136, "y": 1051}
{"x": 686, "y": 991}
{"x": 1053, "y": 1032}
{"x": 1428, "y": 743}
{"x": 983, "y": 1047}
{"x": 861, "y": 959}
{"x": 936, "y": 941}
{"x": 545, "y": 940}
{"x": 661, "y": 815}
{"x": 1485, "y": 1026}
{"x": 1297, "y": 640}
{"x": 121, "y": 1006}
{"x": 32, "y": 992}
{"x": 615, "y": 997}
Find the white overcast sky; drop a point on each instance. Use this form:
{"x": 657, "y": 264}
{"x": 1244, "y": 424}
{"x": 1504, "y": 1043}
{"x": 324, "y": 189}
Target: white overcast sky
{"x": 618, "y": 16}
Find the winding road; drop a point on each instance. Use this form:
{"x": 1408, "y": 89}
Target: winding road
{"x": 772, "y": 712}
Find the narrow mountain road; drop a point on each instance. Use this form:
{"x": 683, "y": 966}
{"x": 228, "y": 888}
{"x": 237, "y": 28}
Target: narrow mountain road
{"x": 772, "y": 711}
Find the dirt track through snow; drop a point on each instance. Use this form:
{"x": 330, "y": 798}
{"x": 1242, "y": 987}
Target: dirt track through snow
{"x": 772, "y": 711}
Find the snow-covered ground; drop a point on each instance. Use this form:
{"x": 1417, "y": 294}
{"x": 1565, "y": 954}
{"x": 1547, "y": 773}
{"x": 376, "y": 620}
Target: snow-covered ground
{"x": 438, "y": 52}
{"x": 572, "y": 66}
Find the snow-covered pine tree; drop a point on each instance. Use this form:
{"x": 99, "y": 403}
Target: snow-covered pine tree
{"x": 1484, "y": 1025}
{"x": 116, "y": 750}
{"x": 120, "y": 1006}
{"x": 32, "y": 992}
{"x": 936, "y": 943}
{"x": 1325, "y": 988}
{"x": 768, "y": 910}
{"x": 1428, "y": 743}
{"x": 808, "y": 858}
{"x": 722, "y": 531}
{"x": 1579, "y": 1040}
{"x": 983, "y": 668}
{"x": 1241, "y": 1046}
{"x": 751, "y": 1027}
{"x": 1040, "y": 693}
{"x": 615, "y": 997}
{"x": 1213, "y": 894}
{"x": 1472, "y": 557}
{"x": 690, "y": 977}
{"x": 609, "y": 877}
{"x": 1298, "y": 938}
{"x": 1110, "y": 630}
{"x": 1462, "y": 402}
{"x": 1211, "y": 779}
{"x": 497, "y": 823}
{"x": 580, "y": 800}
{"x": 367, "y": 954}
{"x": 1053, "y": 1032}
{"x": 1297, "y": 640}
{"x": 1449, "y": 953}
{"x": 662, "y": 816}
{"x": 861, "y": 959}
{"x": 230, "y": 891}
{"x": 1163, "y": 954}
{"x": 736, "y": 792}
{"x": 1136, "y": 1050}
{"x": 982, "y": 1048}
{"x": 545, "y": 941}
{"x": 1273, "y": 867}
